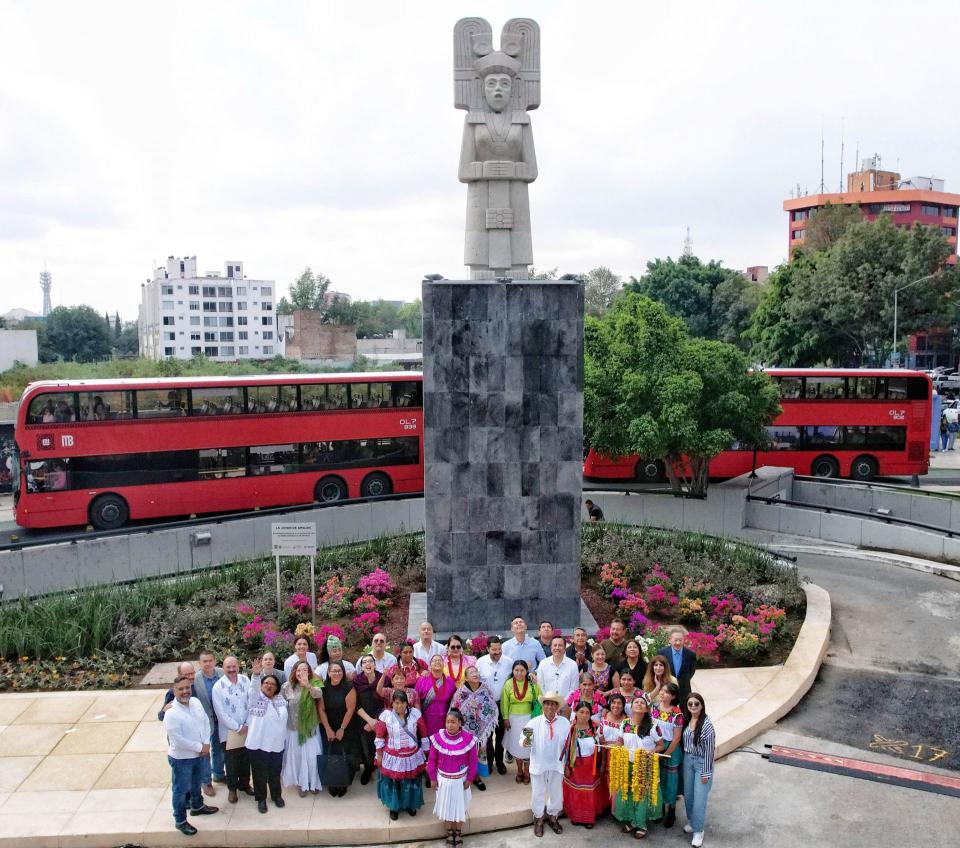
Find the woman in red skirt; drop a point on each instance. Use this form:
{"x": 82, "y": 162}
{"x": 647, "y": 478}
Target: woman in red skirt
{"x": 585, "y": 794}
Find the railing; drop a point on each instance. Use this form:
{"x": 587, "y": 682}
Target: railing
{"x": 217, "y": 518}
{"x": 893, "y": 487}
{"x": 776, "y": 500}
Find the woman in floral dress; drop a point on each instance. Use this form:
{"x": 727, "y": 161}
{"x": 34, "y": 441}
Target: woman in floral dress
{"x": 668, "y": 721}
{"x": 401, "y": 742}
{"x": 585, "y": 795}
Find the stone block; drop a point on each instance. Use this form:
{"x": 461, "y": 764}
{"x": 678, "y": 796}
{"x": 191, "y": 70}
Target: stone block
{"x": 800, "y": 522}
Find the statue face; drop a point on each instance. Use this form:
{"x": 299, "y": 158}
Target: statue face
{"x": 496, "y": 90}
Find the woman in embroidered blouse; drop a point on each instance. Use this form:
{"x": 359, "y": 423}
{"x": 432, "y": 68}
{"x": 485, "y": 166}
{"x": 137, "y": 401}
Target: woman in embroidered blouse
{"x": 587, "y": 694}
{"x": 394, "y": 680}
{"x": 452, "y": 766}
{"x": 627, "y": 690}
{"x": 517, "y": 701}
{"x": 301, "y": 693}
{"x": 401, "y": 740}
{"x": 436, "y": 691}
{"x": 656, "y": 677}
{"x": 585, "y": 795}
{"x": 368, "y": 709}
{"x": 336, "y": 715}
{"x": 668, "y": 721}
{"x": 601, "y": 670}
{"x": 412, "y": 667}
{"x": 266, "y": 737}
{"x": 633, "y": 663}
{"x": 614, "y": 720}
{"x": 639, "y": 734}
{"x": 457, "y": 663}
{"x": 699, "y": 740}
{"x": 475, "y": 701}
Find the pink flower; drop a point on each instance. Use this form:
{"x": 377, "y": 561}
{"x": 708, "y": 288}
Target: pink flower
{"x": 638, "y": 624}
{"x": 377, "y": 582}
{"x": 300, "y": 603}
{"x": 601, "y": 634}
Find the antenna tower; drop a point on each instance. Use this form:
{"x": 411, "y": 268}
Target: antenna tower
{"x": 841, "y": 154}
{"x": 46, "y": 283}
{"x": 688, "y": 244}
{"x": 822, "y": 185}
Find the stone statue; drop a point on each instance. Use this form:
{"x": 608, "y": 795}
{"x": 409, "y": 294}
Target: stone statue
{"x": 497, "y": 160}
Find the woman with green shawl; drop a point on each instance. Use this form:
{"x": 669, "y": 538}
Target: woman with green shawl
{"x": 301, "y": 692}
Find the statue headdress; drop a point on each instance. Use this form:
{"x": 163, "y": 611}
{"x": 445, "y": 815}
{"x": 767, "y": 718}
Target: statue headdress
{"x": 475, "y": 58}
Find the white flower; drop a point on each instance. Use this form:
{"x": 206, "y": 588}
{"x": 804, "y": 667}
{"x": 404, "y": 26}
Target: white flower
{"x": 590, "y": 641}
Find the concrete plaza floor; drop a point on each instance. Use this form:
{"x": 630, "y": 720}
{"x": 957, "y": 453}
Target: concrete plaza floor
{"x": 90, "y": 768}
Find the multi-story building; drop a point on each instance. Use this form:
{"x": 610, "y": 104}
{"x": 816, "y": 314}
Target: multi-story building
{"x": 916, "y": 200}
{"x": 224, "y": 317}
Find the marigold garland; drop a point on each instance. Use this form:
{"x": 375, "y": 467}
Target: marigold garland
{"x": 640, "y": 782}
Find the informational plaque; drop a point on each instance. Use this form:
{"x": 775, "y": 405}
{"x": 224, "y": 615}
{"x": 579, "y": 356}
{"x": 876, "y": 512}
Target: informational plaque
{"x": 294, "y": 539}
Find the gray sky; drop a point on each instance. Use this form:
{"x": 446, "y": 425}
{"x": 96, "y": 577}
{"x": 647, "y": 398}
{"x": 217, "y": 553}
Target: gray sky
{"x": 294, "y": 133}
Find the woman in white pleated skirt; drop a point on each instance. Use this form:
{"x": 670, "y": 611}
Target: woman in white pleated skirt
{"x": 452, "y": 766}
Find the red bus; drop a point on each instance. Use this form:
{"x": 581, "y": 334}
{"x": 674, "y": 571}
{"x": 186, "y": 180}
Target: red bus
{"x": 105, "y": 451}
{"x": 836, "y": 422}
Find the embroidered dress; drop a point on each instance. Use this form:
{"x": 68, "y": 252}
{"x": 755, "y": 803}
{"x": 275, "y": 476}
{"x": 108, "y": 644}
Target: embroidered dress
{"x": 401, "y": 759}
{"x": 453, "y": 761}
{"x": 627, "y": 809}
{"x": 597, "y": 705}
{"x": 627, "y": 697}
{"x": 585, "y": 792}
{"x": 602, "y": 678}
{"x": 610, "y": 731}
{"x": 479, "y": 710}
{"x": 667, "y": 723}
{"x": 411, "y": 673}
{"x": 516, "y": 705}
{"x": 435, "y": 697}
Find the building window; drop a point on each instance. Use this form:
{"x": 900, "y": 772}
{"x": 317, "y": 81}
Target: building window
{"x": 244, "y": 350}
{"x": 195, "y": 351}
{"x": 225, "y": 306}
{"x": 194, "y": 337}
{"x": 193, "y": 289}
{"x": 167, "y": 306}
{"x": 241, "y": 291}
{"x": 166, "y": 289}
{"x": 266, "y": 290}
{"x": 226, "y": 351}
{"x": 266, "y": 321}
{"x": 209, "y": 291}
{"x": 948, "y": 231}
{"x": 209, "y": 322}
{"x": 194, "y": 305}
{"x": 224, "y": 291}
{"x": 170, "y": 337}
{"x": 949, "y": 211}
{"x": 927, "y": 209}
{"x": 226, "y": 337}
{"x": 168, "y": 320}
{"x": 209, "y": 337}
{"x": 241, "y": 320}
{"x": 267, "y": 335}
{"x": 195, "y": 320}
{"x": 268, "y": 350}
{"x": 226, "y": 322}
{"x": 797, "y": 234}
{"x": 241, "y": 306}
{"x": 799, "y": 215}
{"x": 168, "y": 351}
{"x": 266, "y": 306}
{"x": 209, "y": 306}
{"x": 242, "y": 335}
{"x": 211, "y": 351}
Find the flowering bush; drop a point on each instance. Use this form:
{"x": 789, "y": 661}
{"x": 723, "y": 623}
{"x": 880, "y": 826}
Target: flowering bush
{"x": 369, "y": 603}
{"x": 478, "y": 644}
{"x": 691, "y": 610}
{"x": 740, "y": 639}
{"x": 659, "y": 598}
{"x": 769, "y": 619}
{"x": 633, "y": 602}
{"x": 638, "y": 623}
{"x": 299, "y": 603}
{"x": 363, "y": 626}
{"x": 725, "y": 607}
{"x": 704, "y": 646}
{"x": 334, "y": 598}
{"x": 377, "y": 582}
{"x": 601, "y": 634}
{"x": 245, "y": 611}
{"x": 612, "y": 576}
{"x": 329, "y": 630}
{"x": 305, "y": 628}
{"x": 657, "y": 577}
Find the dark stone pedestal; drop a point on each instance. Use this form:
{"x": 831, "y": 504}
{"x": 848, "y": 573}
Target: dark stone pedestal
{"x": 503, "y": 441}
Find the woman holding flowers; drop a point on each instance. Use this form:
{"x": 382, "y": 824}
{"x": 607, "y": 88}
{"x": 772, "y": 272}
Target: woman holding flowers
{"x": 478, "y": 706}
{"x": 634, "y": 773}
{"x": 436, "y": 691}
{"x": 657, "y": 676}
{"x": 301, "y": 692}
{"x": 401, "y": 740}
{"x": 668, "y": 721}
{"x": 585, "y": 795}
{"x": 519, "y": 699}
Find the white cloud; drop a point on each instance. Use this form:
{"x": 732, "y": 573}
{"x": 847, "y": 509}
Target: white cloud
{"x": 316, "y": 133}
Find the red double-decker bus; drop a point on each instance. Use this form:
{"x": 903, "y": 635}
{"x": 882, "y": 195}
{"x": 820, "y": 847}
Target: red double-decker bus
{"x": 837, "y": 422}
{"x": 107, "y": 451}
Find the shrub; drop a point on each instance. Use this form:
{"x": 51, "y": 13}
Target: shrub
{"x": 377, "y": 582}
{"x": 362, "y": 627}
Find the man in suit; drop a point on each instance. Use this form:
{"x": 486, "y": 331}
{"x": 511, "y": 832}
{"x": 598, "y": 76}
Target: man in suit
{"x": 682, "y": 662}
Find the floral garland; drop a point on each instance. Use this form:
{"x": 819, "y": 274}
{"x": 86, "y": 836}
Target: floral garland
{"x": 643, "y": 783}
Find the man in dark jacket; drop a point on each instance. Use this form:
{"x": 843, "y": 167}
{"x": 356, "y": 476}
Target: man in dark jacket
{"x": 682, "y": 662}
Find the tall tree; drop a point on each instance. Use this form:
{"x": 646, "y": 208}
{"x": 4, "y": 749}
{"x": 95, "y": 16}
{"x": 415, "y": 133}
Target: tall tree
{"x": 600, "y": 287}
{"x": 825, "y": 226}
{"x": 651, "y": 390}
{"x": 127, "y": 344}
{"x": 74, "y": 332}
{"x": 308, "y": 291}
{"x": 117, "y": 326}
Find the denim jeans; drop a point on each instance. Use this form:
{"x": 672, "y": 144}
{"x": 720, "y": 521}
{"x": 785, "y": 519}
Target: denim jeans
{"x": 186, "y": 779}
{"x": 694, "y": 792}
{"x": 216, "y": 755}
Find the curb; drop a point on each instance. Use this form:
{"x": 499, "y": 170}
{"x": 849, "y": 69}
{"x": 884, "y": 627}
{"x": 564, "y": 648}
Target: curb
{"x": 924, "y": 566}
{"x": 789, "y": 684}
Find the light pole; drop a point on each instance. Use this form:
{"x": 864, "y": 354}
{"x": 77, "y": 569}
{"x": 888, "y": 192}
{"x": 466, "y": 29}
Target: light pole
{"x": 896, "y": 294}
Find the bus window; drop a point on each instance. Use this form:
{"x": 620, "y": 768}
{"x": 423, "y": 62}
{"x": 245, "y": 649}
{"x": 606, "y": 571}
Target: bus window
{"x": 359, "y": 395}
{"x": 824, "y": 388}
{"x": 863, "y": 388}
{"x": 105, "y": 406}
{"x": 855, "y": 437}
{"x": 49, "y": 475}
{"x": 313, "y": 397}
{"x": 288, "y": 398}
{"x": 381, "y": 396}
{"x": 823, "y": 436}
{"x": 217, "y": 463}
{"x": 791, "y": 388}
{"x": 896, "y": 388}
{"x": 161, "y": 403}
{"x": 783, "y": 438}
{"x": 223, "y": 401}
{"x": 337, "y": 396}
{"x": 272, "y": 459}
{"x": 52, "y": 408}
{"x": 317, "y": 455}
{"x": 917, "y": 388}
{"x": 262, "y": 399}
{"x": 407, "y": 394}
{"x": 887, "y": 438}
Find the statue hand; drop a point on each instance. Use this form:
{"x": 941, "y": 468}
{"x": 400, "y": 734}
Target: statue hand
{"x": 498, "y": 169}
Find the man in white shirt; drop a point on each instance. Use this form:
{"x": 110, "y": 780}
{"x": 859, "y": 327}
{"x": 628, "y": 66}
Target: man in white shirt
{"x": 548, "y": 735}
{"x": 188, "y": 744}
{"x": 558, "y": 673}
{"x": 230, "y": 695}
{"x": 495, "y": 669}
{"x": 382, "y": 658}
{"x": 522, "y": 648}
{"x": 426, "y": 648}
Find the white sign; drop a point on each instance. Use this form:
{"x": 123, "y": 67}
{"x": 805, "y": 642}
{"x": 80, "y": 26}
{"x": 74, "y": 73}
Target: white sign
{"x": 896, "y": 207}
{"x": 294, "y": 539}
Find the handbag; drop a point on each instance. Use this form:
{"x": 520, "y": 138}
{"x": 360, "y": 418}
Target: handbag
{"x": 336, "y": 769}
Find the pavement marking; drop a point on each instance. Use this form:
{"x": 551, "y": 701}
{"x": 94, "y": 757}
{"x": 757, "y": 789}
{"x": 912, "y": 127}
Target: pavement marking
{"x": 903, "y": 748}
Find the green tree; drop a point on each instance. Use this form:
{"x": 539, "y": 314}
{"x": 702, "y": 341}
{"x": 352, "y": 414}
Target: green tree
{"x": 341, "y": 311}
{"x": 825, "y": 226}
{"x": 735, "y": 299}
{"x": 411, "y": 319}
{"x": 650, "y": 389}
{"x": 543, "y": 275}
{"x": 117, "y": 326}
{"x": 127, "y": 344}
{"x": 308, "y": 291}
{"x": 74, "y": 332}
{"x": 600, "y": 287}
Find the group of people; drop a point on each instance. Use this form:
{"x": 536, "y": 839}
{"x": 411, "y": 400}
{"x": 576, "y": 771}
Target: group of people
{"x": 435, "y": 714}
{"x": 949, "y": 427}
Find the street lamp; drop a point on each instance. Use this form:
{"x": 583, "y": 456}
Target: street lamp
{"x": 896, "y": 293}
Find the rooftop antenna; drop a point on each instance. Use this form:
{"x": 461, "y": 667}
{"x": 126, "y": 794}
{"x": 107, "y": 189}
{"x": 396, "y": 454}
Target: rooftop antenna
{"x": 822, "y": 186}
{"x": 46, "y": 283}
{"x": 841, "y": 153}
{"x": 856, "y": 161}
{"x": 688, "y": 244}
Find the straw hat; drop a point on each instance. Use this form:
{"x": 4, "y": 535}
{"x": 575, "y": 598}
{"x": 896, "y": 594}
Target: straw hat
{"x": 551, "y": 696}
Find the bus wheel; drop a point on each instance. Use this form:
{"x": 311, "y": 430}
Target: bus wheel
{"x": 108, "y": 512}
{"x": 863, "y": 468}
{"x": 825, "y": 466}
{"x": 649, "y": 471}
{"x": 376, "y": 486}
{"x": 330, "y": 489}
